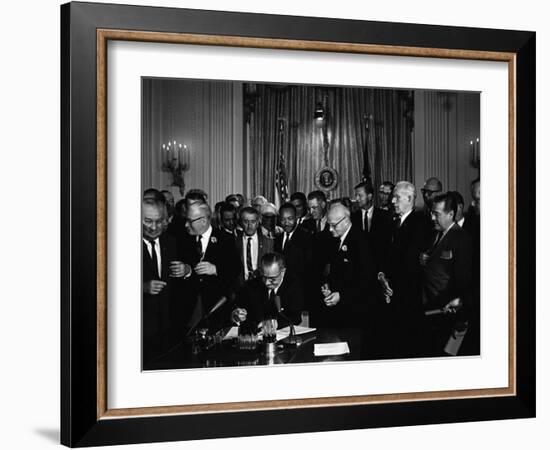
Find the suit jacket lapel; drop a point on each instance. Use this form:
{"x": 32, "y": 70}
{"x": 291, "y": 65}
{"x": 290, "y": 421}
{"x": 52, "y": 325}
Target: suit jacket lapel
{"x": 210, "y": 246}
{"x": 439, "y": 247}
{"x": 147, "y": 254}
{"x": 163, "y": 262}
{"x": 239, "y": 243}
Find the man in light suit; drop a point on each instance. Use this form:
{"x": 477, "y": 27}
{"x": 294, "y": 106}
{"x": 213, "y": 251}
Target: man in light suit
{"x": 251, "y": 245}
{"x": 447, "y": 274}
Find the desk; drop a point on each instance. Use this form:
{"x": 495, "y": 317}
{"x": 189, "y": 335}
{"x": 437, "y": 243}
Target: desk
{"x": 226, "y": 355}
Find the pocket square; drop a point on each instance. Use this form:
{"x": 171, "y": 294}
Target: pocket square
{"x": 446, "y": 254}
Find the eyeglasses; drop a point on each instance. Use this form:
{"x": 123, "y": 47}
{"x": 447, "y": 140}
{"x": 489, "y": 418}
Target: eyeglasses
{"x": 334, "y": 225}
{"x": 190, "y": 221}
{"x": 273, "y": 278}
{"x": 429, "y": 191}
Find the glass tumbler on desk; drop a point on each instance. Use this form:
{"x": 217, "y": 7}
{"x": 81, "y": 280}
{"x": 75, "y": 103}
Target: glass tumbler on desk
{"x": 269, "y": 327}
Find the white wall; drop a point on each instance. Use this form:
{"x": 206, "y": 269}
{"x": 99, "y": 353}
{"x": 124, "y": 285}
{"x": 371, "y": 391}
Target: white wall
{"x": 444, "y": 125}
{"x": 29, "y": 324}
{"x": 207, "y": 116}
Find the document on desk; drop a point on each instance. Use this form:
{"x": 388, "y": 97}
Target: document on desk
{"x": 281, "y": 334}
{"x": 285, "y": 332}
{"x": 336, "y": 348}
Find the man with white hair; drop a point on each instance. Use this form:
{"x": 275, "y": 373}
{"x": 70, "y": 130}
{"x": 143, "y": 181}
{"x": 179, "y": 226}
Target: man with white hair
{"x": 347, "y": 293}
{"x": 269, "y": 227}
{"x": 258, "y": 202}
{"x": 400, "y": 277}
{"x": 215, "y": 263}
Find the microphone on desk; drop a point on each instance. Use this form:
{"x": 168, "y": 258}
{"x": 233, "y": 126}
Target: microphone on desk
{"x": 211, "y": 311}
{"x": 292, "y": 335}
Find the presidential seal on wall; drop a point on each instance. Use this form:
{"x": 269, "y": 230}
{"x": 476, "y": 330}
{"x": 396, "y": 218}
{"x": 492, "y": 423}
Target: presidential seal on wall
{"x": 326, "y": 179}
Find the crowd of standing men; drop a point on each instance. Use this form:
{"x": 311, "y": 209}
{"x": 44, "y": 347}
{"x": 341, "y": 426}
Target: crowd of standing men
{"x": 408, "y": 278}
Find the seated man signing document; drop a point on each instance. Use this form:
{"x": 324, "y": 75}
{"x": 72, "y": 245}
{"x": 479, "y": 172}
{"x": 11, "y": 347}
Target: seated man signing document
{"x": 276, "y": 294}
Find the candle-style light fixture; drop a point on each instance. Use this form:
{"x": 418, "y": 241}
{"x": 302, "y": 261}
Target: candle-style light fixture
{"x": 319, "y": 115}
{"x": 176, "y": 160}
{"x": 474, "y": 153}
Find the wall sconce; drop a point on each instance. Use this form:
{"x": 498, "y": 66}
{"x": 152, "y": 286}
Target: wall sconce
{"x": 319, "y": 114}
{"x": 474, "y": 153}
{"x": 176, "y": 160}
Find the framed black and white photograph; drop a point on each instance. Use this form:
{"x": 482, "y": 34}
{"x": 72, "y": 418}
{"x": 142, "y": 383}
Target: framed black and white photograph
{"x": 273, "y": 219}
{"x": 283, "y": 205}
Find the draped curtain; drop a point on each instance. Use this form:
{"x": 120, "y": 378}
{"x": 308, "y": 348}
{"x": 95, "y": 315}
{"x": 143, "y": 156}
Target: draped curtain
{"x": 280, "y": 118}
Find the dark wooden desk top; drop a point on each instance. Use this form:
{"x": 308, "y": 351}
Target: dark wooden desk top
{"x": 227, "y": 355}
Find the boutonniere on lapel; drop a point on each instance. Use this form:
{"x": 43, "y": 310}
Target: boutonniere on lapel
{"x": 344, "y": 248}
{"x": 213, "y": 240}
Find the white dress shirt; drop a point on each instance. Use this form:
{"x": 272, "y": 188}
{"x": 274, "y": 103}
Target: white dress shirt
{"x": 253, "y": 251}
{"x": 343, "y": 237}
{"x": 157, "y": 251}
{"x": 285, "y": 239}
{"x": 205, "y": 239}
{"x": 404, "y": 216}
{"x": 369, "y": 212}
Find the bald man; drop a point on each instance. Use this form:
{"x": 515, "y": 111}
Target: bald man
{"x": 348, "y": 293}
{"x": 213, "y": 256}
{"x": 432, "y": 187}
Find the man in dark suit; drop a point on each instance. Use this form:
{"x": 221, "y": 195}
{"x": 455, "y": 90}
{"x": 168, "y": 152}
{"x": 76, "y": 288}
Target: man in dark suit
{"x": 376, "y": 223}
{"x": 295, "y": 244}
{"x": 323, "y": 243}
{"x": 348, "y": 295}
{"x": 400, "y": 275}
{"x": 317, "y": 206}
{"x": 251, "y": 245}
{"x": 228, "y": 219}
{"x": 384, "y": 196}
{"x": 432, "y": 187}
{"x": 276, "y": 294}
{"x": 299, "y": 200}
{"x": 213, "y": 256}
{"x": 161, "y": 270}
{"x": 470, "y": 223}
{"x": 446, "y": 274}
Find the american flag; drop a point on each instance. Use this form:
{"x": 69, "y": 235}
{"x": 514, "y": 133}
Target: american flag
{"x": 281, "y": 182}
{"x": 367, "y": 175}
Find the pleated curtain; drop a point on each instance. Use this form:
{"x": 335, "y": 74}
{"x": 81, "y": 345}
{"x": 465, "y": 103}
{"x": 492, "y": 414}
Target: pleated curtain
{"x": 389, "y": 136}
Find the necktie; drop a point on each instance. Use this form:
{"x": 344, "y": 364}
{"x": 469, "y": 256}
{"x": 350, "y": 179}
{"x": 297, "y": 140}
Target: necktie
{"x": 285, "y": 243}
{"x": 396, "y": 225}
{"x": 199, "y": 246}
{"x": 249, "y": 267}
{"x": 319, "y": 225}
{"x": 437, "y": 239}
{"x": 155, "y": 260}
{"x": 271, "y": 297}
{"x": 366, "y": 222}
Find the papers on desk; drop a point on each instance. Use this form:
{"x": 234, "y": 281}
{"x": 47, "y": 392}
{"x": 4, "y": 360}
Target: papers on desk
{"x": 285, "y": 332}
{"x": 281, "y": 334}
{"x": 232, "y": 333}
{"x": 336, "y": 348}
